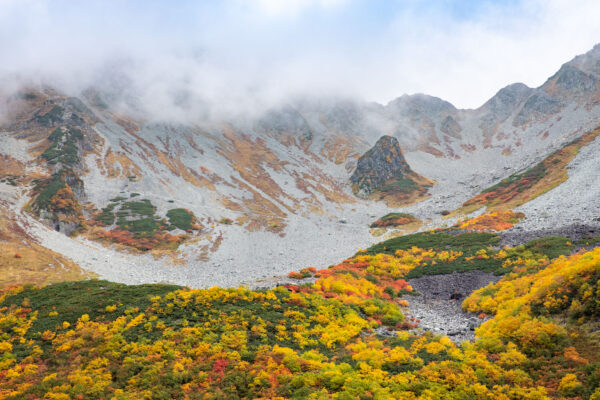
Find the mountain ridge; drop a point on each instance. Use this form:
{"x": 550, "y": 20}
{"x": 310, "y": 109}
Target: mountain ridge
{"x": 285, "y": 174}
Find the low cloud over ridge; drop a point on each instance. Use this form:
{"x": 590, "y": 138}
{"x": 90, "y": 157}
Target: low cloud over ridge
{"x": 201, "y": 58}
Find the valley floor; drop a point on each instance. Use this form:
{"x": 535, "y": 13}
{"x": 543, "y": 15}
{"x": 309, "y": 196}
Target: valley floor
{"x": 242, "y": 259}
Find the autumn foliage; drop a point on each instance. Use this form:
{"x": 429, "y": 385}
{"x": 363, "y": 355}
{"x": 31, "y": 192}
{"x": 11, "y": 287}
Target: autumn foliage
{"x": 394, "y": 220}
{"x": 98, "y": 340}
{"x": 494, "y": 221}
{"x": 522, "y": 187}
{"x": 65, "y": 202}
{"x": 123, "y": 237}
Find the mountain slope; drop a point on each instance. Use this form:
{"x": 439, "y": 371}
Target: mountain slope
{"x": 257, "y": 187}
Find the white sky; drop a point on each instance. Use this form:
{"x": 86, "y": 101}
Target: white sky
{"x": 240, "y": 53}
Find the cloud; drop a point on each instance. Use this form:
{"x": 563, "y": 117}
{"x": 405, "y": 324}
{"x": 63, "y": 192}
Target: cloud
{"x": 278, "y": 8}
{"x": 202, "y": 58}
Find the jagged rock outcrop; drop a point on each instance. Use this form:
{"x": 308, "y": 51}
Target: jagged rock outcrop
{"x": 381, "y": 163}
{"x": 384, "y": 170}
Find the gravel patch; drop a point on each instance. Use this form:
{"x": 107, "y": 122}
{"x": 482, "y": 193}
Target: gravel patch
{"x": 518, "y": 235}
{"x": 439, "y": 305}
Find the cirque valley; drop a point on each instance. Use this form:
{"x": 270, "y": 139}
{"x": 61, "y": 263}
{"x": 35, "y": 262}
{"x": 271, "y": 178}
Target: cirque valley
{"x": 275, "y": 183}
{"x": 228, "y": 200}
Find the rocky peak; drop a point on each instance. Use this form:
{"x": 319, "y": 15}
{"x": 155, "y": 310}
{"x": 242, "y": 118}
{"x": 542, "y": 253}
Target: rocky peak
{"x": 382, "y": 162}
{"x": 507, "y": 98}
{"x": 570, "y": 82}
{"x": 420, "y": 104}
{"x": 588, "y": 62}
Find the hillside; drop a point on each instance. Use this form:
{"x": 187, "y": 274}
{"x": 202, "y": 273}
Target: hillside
{"x": 345, "y": 336}
{"x": 299, "y": 200}
{"x": 145, "y": 258}
{"x": 248, "y": 190}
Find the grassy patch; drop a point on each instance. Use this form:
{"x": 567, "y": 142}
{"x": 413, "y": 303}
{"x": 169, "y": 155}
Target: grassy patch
{"x": 138, "y": 217}
{"x": 140, "y": 227}
{"x": 436, "y": 240}
{"x": 142, "y": 207}
{"x": 402, "y": 185}
{"x": 550, "y": 246}
{"x": 181, "y": 218}
{"x": 47, "y": 190}
{"x": 143, "y": 227}
{"x": 107, "y": 217}
{"x": 476, "y": 249}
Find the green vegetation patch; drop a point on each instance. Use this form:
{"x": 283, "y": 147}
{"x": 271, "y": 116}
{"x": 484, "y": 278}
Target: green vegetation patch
{"x": 470, "y": 241}
{"x": 64, "y": 147}
{"x": 142, "y": 207}
{"x": 180, "y": 218}
{"x": 107, "y": 217}
{"x": 394, "y": 219}
{"x": 470, "y": 244}
{"x": 47, "y": 190}
{"x": 550, "y": 246}
{"x": 402, "y": 185}
{"x": 479, "y": 250}
{"x": 68, "y": 301}
{"x": 73, "y": 299}
{"x": 138, "y": 218}
{"x": 143, "y": 227}
{"x": 392, "y": 216}
{"x": 51, "y": 117}
{"x": 63, "y": 150}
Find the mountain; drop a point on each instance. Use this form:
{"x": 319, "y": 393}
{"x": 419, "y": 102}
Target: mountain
{"x": 353, "y": 250}
{"x": 224, "y": 199}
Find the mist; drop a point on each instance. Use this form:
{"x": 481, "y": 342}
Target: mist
{"x": 198, "y": 60}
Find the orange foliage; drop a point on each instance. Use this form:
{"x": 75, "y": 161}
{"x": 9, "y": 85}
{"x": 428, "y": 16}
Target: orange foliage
{"x": 64, "y": 201}
{"x": 496, "y": 221}
{"x": 143, "y": 243}
{"x": 295, "y": 275}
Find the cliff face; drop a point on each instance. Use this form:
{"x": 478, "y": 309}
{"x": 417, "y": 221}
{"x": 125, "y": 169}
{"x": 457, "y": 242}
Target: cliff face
{"x": 384, "y": 173}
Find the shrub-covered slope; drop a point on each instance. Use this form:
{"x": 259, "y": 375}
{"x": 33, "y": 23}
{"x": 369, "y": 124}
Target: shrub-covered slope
{"x": 343, "y": 336}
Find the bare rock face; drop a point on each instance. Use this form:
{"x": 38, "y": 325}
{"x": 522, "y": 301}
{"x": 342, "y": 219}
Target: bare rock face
{"x": 285, "y": 120}
{"x": 379, "y": 165}
{"x": 450, "y": 127}
{"x": 537, "y": 107}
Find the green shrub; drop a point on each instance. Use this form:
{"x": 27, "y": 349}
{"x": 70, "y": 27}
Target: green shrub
{"x": 181, "y": 218}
